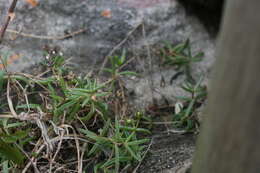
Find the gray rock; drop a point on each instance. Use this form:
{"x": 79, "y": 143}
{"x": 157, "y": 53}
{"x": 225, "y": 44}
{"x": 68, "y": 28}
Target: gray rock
{"x": 138, "y": 26}
{"x": 164, "y": 20}
{"x": 169, "y": 154}
{"x": 140, "y": 23}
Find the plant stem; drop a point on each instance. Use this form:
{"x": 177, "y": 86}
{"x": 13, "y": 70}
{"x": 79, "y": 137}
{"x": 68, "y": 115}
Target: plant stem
{"x": 8, "y": 19}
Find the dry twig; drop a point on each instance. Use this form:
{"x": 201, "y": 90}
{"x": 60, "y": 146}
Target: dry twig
{"x": 146, "y": 151}
{"x": 117, "y": 47}
{"x": 62, "y": 37}
{"x": 8, "y": 19}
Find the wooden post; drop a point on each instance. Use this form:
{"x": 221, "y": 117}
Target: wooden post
{"x": 230, "y": 137}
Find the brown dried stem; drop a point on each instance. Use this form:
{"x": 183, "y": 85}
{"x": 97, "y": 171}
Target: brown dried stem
{"x": 8, "y": 19}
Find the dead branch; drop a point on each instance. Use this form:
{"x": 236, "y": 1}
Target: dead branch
{"x": 8, "y": 19}
{"x": 62, "y": 37}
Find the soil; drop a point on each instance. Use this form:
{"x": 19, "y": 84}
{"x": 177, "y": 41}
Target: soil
{"x": 169, "y": 153}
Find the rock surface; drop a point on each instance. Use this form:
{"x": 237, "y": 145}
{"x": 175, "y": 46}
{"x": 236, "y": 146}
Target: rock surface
{"x": 170, "y": 154}
{"x": 109, "y": 26}
{"x": 107, "y": 23}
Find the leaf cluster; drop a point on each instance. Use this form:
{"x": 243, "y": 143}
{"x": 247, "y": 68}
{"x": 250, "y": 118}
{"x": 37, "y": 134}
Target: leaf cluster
{"x": 57, "y": 97}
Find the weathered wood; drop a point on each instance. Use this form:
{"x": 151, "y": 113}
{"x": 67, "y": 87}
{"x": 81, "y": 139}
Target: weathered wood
{"x": 230, "y": 137}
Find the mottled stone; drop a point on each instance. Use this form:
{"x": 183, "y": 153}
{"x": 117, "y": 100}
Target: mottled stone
{"x": 138, "y": 26}
{"x": 164, "y": 20}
